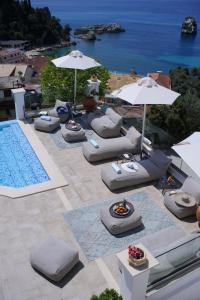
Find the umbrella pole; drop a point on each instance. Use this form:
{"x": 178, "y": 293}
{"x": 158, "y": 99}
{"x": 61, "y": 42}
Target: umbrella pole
{"x": 75, "y": 84}
{"x": 143, "y": 127}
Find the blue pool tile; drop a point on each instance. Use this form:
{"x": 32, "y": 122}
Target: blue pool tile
{"x": 19, "y": 165}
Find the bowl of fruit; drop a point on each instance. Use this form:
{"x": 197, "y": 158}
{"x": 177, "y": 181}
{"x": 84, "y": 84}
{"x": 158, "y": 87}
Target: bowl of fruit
{"x": 121, "y": 208}
{"x": 136, "y": 256}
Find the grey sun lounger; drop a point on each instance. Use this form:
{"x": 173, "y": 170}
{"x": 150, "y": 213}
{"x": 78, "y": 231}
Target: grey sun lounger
{"x": 106, "y": 125}
{"x": 111, "y": 148}
{"x": 148, "y": 170}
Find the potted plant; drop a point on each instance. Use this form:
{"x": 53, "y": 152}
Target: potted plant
{"x": 108, "y": 294}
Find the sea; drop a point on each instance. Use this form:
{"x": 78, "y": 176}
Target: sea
{"x": 152, "y": 41}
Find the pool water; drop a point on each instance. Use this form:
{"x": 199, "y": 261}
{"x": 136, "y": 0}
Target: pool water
{"x": 19, "y": 165}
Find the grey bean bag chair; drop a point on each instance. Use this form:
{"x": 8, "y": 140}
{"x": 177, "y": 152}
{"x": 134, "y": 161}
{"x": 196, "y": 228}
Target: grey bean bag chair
{"x": 54, "y": 258}
{"x": 111, "y": 148}
{"x": 148, "y": 170}
{"x": 120, "y": 225}
{"x": 47, "y": 126}
{"x": 106, "y": 126}
{"x": 190, "y": 187}
{"x": 53, "y": 112}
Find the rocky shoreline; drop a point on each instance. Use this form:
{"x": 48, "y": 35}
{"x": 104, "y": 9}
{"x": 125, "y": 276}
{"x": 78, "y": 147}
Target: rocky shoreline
{"x": 89, "y": 32}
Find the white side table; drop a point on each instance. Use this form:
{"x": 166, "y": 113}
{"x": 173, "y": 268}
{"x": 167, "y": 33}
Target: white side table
{"x": 134, "y": 280}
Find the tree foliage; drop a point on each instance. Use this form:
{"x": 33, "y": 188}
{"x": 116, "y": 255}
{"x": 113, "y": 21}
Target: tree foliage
{"x": 183, "y": 117}
{"x": 58, "y": 83}
{"x": 108, "y": 294}
{"x": 19, "y": 20}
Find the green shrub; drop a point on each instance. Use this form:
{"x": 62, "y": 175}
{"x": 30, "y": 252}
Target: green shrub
{"x": 59, "y": 83}
{"x": 108, "y": 294}
{"x": 183, "y": 117}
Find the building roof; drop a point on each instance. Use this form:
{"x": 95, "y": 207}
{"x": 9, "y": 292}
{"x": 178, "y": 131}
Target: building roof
{"x": 12, "y": 69}
{"x": 38, "y": 62}
{"x": 161, "y": 79}
{"x": 14, "y": 41}
{"x": 6, "y": 70}
{"x": 9, "y": 82}
{"x": 9, "y": 51}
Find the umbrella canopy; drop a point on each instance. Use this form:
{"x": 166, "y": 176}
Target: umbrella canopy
{"x": 189, "y": 150}
{"x": 77, "y": 61}
{"x": 146, "y": 91}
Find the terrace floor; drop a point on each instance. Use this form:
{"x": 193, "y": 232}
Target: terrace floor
{"x": 27, "y": 221}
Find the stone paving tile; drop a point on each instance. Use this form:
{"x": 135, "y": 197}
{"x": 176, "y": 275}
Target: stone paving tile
{"x": 26, "y": 222}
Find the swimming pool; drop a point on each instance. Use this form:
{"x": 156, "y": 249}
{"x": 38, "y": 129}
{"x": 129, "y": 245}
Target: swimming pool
{"x": 19, "y": 165}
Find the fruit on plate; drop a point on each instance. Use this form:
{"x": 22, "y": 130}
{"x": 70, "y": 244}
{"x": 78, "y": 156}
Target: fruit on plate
{"x": 135, "y": 252}
{"x": 121, "y": 208}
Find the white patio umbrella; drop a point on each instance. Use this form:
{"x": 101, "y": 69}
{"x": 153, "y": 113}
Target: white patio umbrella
{"x": 145, "y": 91}
{"x": 189, "y": 150}
{"x": 77, "y": 61}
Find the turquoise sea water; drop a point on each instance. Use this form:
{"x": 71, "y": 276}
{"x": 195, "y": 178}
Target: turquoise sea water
{"x": 152, "y": 40}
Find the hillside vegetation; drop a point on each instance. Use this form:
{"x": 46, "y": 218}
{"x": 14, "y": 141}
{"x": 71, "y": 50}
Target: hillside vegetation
{"x": 20, "y": 21}
{"x": 183, "y": 117}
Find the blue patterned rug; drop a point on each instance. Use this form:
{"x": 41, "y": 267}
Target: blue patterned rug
{"x": 94, "y": 238}
{"x": 62, "y": 144}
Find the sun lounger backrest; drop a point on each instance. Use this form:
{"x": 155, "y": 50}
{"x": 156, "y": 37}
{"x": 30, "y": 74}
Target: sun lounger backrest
{"x": 160, "y": 160}
{"x": 134, "y": 137}
{"x": 61, "y": 103}
{"x": 113, "y": 116}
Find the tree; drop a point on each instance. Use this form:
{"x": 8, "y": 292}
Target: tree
{"x": 183, "y": 117}
{"x": 19, "y": 20}
{"x": 59, "y": 82}
{"x": 108, "y": 294}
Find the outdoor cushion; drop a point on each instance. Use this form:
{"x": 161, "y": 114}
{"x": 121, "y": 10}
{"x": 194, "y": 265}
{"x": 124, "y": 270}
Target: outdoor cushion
{"x": 160, "y": 160}
{"x": 134, "y": 136}
{"x": 113, "y": 116}
{"x": 63, "y": 117}
{"x": 73, "y": 136}
{"x": 45, "y": 125}
{"x": 61, "y": 103}
{"x": 147, "y": 171}
{"x": 54, "y": 258}
{"x": 106, "y": 126}
{"x": 191, "y": 187}
{"x": 110, "y": 148}
{"x": 120, "y": 225}
{"x": 178, "y": 210}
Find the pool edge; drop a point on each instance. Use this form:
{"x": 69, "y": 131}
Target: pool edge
{"x": 56, "y": 179}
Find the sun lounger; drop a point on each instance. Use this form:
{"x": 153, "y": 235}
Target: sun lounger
{"x": 145, "y": 171}
{"x": 112, "y": 148}
{"x": 106, "y": 126}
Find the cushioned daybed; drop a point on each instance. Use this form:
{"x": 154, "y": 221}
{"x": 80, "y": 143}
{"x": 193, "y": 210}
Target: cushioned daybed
{"x": 111, "y": 148}
{"x": 147, "y": 170}
{"x": 106, "y": 126}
